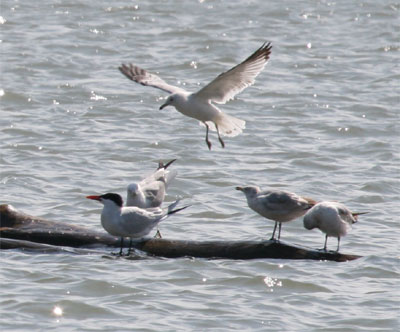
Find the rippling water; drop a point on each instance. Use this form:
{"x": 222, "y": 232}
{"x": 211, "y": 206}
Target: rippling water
{"x": 322, "y": 121}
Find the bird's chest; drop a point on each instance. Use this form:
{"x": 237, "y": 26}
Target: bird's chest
{"x": 110, "y": 222}
{"x": 198, "y": 109}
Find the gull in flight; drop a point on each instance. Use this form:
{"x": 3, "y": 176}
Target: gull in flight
{"x": 277, "y": 205}
{"x": 200, "y": 105}
{"x": 130, "y": 221}
{"x": 332, "y": 218}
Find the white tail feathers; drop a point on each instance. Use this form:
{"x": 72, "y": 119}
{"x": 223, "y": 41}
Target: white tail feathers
{"x": 229, "y": 125}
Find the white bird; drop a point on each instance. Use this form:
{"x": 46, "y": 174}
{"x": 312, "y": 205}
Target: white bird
{"x": 277, "y": 205}
{"x": 130, "y": 221}
{"x": 201, "y": 104}
{"x": 150, "y": 192}
{"x": 332, "y": 218}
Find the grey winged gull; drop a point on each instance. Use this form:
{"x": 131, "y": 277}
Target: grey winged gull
{"x": 332, "y": 218}
{"x": 150, "y": 191}
{"x": 277, "y": 205}
{"x": 200, "y": 105}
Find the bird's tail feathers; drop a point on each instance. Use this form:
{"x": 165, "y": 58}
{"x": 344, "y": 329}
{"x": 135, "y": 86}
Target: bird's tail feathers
{"x": 229, "y": 125}
{"x": 171, "y": 209}
{"x": 177, "y": 210}
{"x": 161, "y": 164}
{"x": 172, "y": 206}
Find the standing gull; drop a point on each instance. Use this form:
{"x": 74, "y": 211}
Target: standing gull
{"x": 332, "y": 218}
{"x": 150, "y": 191}
{"x": 277, "y": 205}
{"x": 200, "y": 105}
{"x": 130, "y": 221}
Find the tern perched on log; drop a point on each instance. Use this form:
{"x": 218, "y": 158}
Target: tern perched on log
{"x": 200, "y": 105}
{"x": 130, "y": 221}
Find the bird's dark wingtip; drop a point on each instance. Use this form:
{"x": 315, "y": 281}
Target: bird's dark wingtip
{"x": 161, "y": 164}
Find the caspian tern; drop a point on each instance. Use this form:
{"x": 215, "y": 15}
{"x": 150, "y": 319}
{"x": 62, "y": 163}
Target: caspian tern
{"x": 201, "y": 104}
{"x": 130, "y": 221}
{"x": 150, "y": 191}
{"x": 277, "y": 205}
{"x": 332, "y": 218}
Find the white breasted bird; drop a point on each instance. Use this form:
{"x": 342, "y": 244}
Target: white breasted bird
{"x": 150, "y": 192}
{"x": 130, "y": 221}
{"x": 277, "y": 205}
{"x": 201, "y": 104}
{"x": 332, "y": 218}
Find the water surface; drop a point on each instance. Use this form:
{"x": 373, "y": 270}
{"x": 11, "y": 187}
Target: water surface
{"x": 322, "y": 121}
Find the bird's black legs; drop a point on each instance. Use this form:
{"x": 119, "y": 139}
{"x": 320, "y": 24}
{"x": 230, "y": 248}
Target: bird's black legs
{"x": 279, "y": 231}
{"x": 121, "y": 247}
{"x": 273, "y": 233}
{"x": 207, "y": 140}
{"x": 158, "y": 235}
{"x": 219, "y": 137}
{"x": 122, "y": 243}
{"x": 326, "y": 241}
{"x": 338, "y": 243}
{"x": 130, "y": 246}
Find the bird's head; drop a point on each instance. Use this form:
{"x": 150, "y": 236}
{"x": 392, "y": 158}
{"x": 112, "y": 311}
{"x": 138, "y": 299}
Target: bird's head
{"x": 249, "y": 191}
{"x": 108, "y": 198}
{"x": 175, "y": 99}
{"x": 133, "y": 189}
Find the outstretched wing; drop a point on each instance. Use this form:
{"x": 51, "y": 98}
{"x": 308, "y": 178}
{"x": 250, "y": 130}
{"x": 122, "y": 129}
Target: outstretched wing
{"x": 228, "y": 84}
{"x": 143, "y": 77}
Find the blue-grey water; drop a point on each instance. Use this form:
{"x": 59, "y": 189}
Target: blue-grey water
{"x": 321, "y": 120}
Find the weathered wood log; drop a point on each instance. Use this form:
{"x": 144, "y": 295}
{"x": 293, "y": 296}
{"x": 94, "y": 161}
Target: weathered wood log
{"x": 27, "y": 229}
{"x": 6, "y": 243}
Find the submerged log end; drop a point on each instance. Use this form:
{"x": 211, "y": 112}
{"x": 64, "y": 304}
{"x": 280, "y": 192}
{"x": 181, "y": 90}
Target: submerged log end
{"x": 18, "y": 225}
{"x": 11, "y": 217}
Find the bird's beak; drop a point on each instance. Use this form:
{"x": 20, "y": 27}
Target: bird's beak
{"x": 164, "y": 105}
{"x": 96, "y": 198}
{"x": 356, "y": 214}
{"x": 239, "y": 188}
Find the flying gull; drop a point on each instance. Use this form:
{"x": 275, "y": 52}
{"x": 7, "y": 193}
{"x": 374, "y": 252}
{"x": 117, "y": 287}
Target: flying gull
{"x": 200, "y": 105}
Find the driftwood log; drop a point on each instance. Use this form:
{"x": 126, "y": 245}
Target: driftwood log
{"x": 22, "y": 231}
